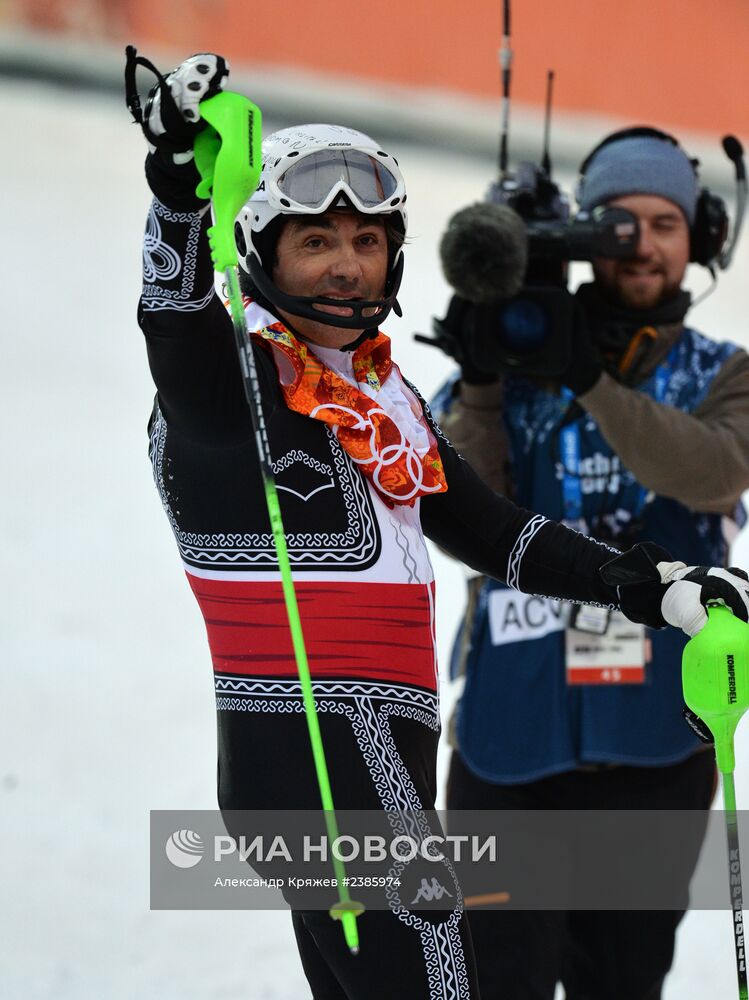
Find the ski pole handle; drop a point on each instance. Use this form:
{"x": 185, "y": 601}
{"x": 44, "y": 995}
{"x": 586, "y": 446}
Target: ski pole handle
{"x": 715, "y": 678}
{"x": 228, "y": 158}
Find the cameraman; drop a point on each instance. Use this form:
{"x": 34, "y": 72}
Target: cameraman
{"x": 644, "y": 435}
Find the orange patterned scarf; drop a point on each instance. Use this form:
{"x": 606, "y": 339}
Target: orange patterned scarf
{"x": 365, "y": 431}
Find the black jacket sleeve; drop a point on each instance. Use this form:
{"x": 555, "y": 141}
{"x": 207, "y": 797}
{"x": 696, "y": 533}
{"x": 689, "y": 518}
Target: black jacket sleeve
{"x": 492, "y": 535}
{"x": 189, "y": 336}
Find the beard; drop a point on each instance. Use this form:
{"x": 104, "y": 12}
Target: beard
{"x": 629, "y": 291}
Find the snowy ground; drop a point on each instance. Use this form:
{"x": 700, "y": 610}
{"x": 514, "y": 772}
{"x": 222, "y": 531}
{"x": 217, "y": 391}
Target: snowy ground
{"x": 107, "y": 707}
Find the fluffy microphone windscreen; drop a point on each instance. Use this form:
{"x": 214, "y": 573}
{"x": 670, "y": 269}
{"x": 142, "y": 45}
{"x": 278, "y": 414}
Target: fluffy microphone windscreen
{"x": 484, "y": 252}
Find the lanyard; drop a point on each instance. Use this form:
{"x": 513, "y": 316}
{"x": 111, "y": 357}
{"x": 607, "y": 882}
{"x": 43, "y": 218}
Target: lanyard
{"x": 569, "y": 441}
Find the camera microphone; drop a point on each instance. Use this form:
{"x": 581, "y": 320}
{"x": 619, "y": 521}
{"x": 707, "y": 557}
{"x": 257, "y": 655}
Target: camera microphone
{"x": 484, "y": 252}
{"x": 735, "y": 152}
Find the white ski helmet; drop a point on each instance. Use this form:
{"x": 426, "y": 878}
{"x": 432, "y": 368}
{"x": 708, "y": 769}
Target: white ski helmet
{"x": 307, "y": 170}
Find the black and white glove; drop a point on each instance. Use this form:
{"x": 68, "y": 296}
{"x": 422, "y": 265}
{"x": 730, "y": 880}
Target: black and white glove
{"x": 692, "y": 588}
{"x": 171, "y": 119}
{"x": 656, "y": 591}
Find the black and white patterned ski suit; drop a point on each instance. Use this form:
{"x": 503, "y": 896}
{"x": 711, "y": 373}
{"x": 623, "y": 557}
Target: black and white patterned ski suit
{"x": 366, "y": 594}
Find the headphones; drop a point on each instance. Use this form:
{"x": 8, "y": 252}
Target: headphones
{"x": 709, "y": 231}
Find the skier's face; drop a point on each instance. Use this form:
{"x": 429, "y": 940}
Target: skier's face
{"x": 655, "y": 273}
{"x": 340, "y": 255}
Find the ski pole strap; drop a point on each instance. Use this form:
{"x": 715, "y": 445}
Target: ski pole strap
{"x": 132, "y": 97}
{"x": 178, "y": 134}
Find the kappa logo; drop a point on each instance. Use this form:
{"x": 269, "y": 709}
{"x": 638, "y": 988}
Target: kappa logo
{"x": 429, "y": 892}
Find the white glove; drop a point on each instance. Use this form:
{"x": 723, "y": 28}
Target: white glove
{"x": 692, "y": 588}
{"x": 170, "y": 122}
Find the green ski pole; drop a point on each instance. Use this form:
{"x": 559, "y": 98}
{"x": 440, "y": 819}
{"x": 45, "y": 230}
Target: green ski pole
{"x": 227, "y": 155}
{"x": 715, "y": 676}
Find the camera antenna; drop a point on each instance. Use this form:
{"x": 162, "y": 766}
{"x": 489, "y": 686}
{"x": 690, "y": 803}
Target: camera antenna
{"x": 505, "y": 62}
{"x": 546, "y": 158}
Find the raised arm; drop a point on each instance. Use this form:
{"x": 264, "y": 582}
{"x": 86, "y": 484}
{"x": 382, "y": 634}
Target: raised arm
{"x": 188, "y": 332}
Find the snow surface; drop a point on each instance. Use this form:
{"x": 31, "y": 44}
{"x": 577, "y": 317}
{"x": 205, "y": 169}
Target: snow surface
{"x": 107, "y": 710}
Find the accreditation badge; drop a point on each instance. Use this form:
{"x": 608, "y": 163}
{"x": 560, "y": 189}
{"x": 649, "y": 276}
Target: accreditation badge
{"x": 516, "y": 617}
{"x": 615, "y": 655}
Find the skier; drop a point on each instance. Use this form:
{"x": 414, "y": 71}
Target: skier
{"x": 650, "y": 439}
{"x": 364, "y": 474}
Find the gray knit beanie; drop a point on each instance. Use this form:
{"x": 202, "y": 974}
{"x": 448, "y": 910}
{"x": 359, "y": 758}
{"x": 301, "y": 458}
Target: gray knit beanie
{"x": 640, "y": 165}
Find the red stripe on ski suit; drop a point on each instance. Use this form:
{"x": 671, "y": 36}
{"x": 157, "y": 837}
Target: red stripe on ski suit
{"x": 379, "y": 631}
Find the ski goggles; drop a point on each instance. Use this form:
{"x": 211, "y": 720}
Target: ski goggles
{"x": 311, "y": 183}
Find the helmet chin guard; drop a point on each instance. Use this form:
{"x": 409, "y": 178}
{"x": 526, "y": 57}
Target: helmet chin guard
{"x": 306, "y": 305}
{"x": 310, "y": 170}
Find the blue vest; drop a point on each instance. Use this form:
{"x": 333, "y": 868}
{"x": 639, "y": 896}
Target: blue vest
{"x": 518, "y": 720}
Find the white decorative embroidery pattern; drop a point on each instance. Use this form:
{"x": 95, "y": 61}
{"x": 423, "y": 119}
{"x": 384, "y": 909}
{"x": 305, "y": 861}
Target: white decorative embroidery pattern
{"x": 280, "y": 687}
{"x": 521, "y": 544}
{"x": 353, "y": 547}
{"x": 409, "y": 561}
{"x": 153, "y": 304}
{"x": 446, "y": 966}
{"x": 161, "y": 263}
{"x": 302, "y": 457}
{"x": 369, "y": 706}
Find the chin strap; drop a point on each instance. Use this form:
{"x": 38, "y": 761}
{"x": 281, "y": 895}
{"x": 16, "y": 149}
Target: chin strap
{"x": 304, "y": 305}
{"x": 364, "y": 335}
